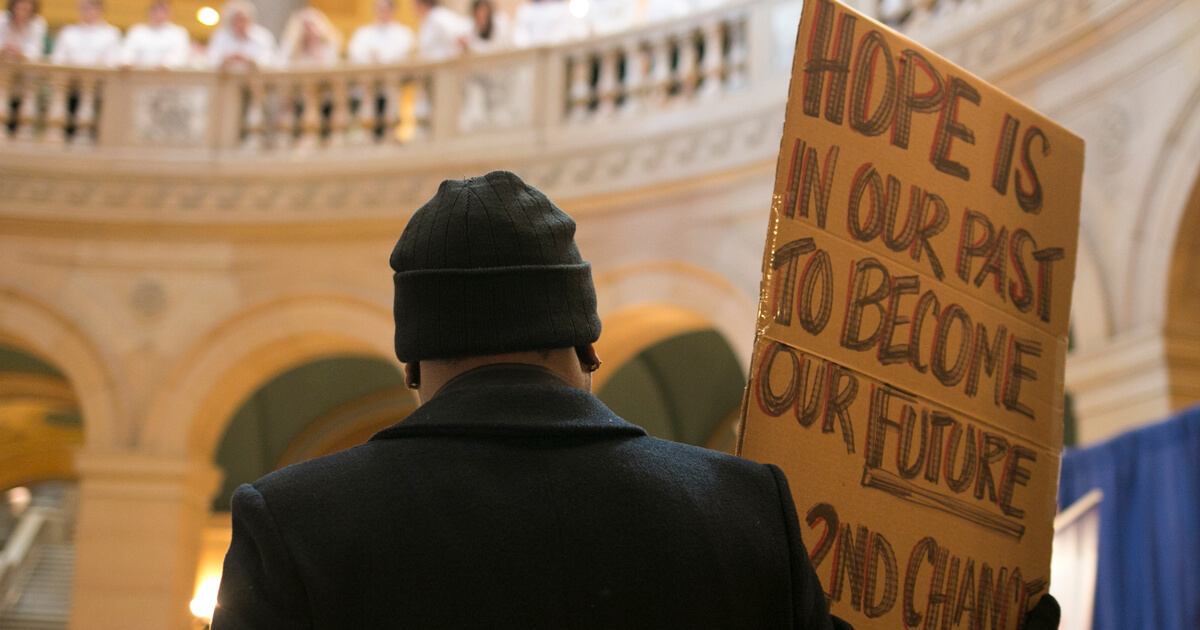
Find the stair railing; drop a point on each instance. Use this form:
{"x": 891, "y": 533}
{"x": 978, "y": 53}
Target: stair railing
{"x": 37, "y": 527}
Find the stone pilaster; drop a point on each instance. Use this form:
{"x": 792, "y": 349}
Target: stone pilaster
{"x": 137, "y": 541}
{"x": 1134, "y": 380}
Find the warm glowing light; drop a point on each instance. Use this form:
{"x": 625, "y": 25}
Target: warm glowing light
{"x": 578, "y": 8}
{"x": 19, "y": 499}
{"x": 205, "y": 600}
{"x": 208, "y": 16}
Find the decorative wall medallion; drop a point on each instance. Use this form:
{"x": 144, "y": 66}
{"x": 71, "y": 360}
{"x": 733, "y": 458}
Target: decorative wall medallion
{"x": 337, "y": 197}
{"x": 149, "y": 298}
{"x": 1022, "y": 29}
{"x": 230, "y": 197}
{"x": 80, "y": 193}
{"x": 720, "y": 141}
{"x": 42, "y": 191}
{"x": 1053, "y": 13}
{"x": 585, "y": 169}
{"x": 617, "y": 163}
{"x": 118, "y": 196}
{"x": 684, "y": 149}
{"x": 551, "y": 176}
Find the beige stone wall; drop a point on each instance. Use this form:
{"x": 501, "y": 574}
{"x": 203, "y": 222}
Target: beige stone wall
{"x": 168, "y": 290}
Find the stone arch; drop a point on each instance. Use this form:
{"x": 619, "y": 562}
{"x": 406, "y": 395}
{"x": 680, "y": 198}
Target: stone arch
{"x": 1091, "y": 308}
{"x": 305, "y": 411}
{"x": 191, "y": 411}
{"x": 1183, "y": 282}
{"x": 349, "y": 424}
{"x": 637, "y": 295}
{"x": 1160, "y": 238}
{"x": 37, "y": 327}
{"x": 630, "y": 330}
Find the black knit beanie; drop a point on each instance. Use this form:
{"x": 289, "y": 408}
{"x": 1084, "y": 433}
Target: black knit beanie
{"x": 489, "y": 266}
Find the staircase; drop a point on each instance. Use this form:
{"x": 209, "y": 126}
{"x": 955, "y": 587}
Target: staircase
{"x": 45, "y": 603}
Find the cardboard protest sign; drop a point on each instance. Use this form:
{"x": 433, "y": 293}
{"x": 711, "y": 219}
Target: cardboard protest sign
{"x": 907, "y": 374}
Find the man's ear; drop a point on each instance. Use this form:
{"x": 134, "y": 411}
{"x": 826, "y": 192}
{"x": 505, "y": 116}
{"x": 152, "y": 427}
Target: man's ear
{"x": 589, "y": 361}
{"x": 412, "y": 374}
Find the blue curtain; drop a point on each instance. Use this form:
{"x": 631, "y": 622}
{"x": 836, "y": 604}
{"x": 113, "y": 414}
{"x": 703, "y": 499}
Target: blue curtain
{"x": 1148, "y": 574}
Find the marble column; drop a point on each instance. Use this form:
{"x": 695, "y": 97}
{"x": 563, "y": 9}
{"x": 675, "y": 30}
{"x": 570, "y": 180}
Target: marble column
{"x": 137, "y": 540}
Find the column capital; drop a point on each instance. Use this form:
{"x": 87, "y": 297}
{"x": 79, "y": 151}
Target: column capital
{"x": 145, "y": 475}
{"x": 1135, "y": 379}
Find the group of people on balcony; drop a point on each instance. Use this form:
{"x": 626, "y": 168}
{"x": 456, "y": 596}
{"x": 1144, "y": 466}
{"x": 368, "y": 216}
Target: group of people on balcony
{"x": 310, "y": 40}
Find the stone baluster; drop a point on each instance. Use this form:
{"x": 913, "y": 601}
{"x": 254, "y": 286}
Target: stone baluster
{"x": 27, "y": 114}
{"x": 285, "y": 124}
{"x": 712, "y": 67}
{"x": 579, "y": 88}
{"x": 339, "y": 91}
{"x": 310, "y": 114}
{"x": 366, "y": 118}
{"x": 608, "y": 85}
{"x": 422, "y": 107}
{"x": 55, "y": 131}
{"x": 735, "y": 63}
{"x": 893, "y": 12}
{"x": 661, "y": 72}
{"x": 85, "y": 110}
{"x": 637, "y": 61}
{"x": 393, "y": 93}
{"x": 6, "y": 81}
{"x": 686, "y": 70}
{"x": 253, "y": 116}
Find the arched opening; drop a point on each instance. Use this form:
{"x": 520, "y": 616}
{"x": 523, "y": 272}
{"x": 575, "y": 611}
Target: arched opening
{"x": 40, "y": 421}
{"x": 319, "y": 407}
{"x": 1182, "y": 328}
{"x": 314, "y": 409}
{"x": 686, "y": 388}
{"x": 41, "y": 428}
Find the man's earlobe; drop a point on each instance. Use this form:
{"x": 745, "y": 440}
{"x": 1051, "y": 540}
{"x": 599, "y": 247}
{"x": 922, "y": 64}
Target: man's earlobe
{"x": 412, "y": 374}
{"x": 588, "y": 359}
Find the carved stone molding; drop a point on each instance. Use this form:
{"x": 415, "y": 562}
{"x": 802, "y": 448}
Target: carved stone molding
{"x": 991, "y": 37}
{"x": 566, "y": 172}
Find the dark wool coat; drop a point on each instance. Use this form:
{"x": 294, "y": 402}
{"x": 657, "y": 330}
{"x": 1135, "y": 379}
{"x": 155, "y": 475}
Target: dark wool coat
{"x": 513, "y": 500}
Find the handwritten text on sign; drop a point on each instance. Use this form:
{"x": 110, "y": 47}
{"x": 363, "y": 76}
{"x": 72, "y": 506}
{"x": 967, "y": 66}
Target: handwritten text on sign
{"x": 912, "y": 328}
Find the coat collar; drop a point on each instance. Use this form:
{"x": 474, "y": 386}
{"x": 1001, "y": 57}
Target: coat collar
{"x": 510, "y": 399}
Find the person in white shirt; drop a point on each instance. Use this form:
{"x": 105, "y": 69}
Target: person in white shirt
{"x": 610, "y": 16}
{"x": 22, "y": 31}
{"x": 699, "y": 6}
{"x": 310, "y": 40}
{"x": 545, "y": 22}
{"x": 91, "y": 42}
{"x": 241, "y": 43}
{"x": 664, "y": 10}
{"x": 443, "y": 33}
{"x": 158, "y": 43}
{"x": 383, "y": 41}
{"x": 493, "y": 29}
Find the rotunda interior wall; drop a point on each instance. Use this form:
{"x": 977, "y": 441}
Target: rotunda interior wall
{"x": 1130, "y": 87}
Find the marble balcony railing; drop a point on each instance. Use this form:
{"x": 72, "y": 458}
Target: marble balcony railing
{"x": 658, "y": 104}
{"x": 301, "y": 111}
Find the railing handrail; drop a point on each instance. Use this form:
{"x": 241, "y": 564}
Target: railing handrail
{"x": 623, "y": 111}
{"x": 36, "y": 526}
{"x": 551, "y": 91}
{"x": 344, "y": 66}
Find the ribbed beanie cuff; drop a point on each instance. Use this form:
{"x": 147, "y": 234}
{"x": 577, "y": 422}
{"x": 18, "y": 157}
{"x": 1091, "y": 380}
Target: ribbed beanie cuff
{"x": 454, "y": 313}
